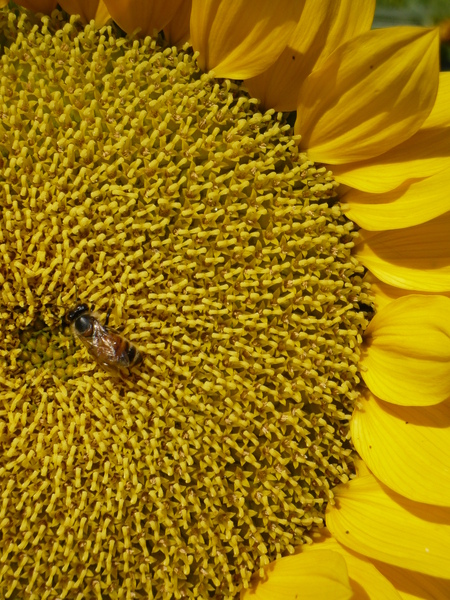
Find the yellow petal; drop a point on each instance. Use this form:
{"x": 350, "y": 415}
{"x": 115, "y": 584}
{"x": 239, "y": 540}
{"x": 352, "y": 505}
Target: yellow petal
{"x": 367, "y": 584}
{"x": 406, "y": 354}
{"x": 177, "y": 31}
{"x": 416, "y": 462}
{"x": 241, "y": 39}
{"x": 3, "y": 3}
{"x": 318, "y": 576}
{"x": 402, "y": 207}
{"x": 426, "y": 153}
{"x": 88, "y": 10}
{"x": 415, "y": 586}
{"x": 362, "y": 573}
{"x": 322, "y": 27}
{"x": 146, "y": 15}
{"x": 415, "y": 258}
{"x": 370, "y": 519}
{"x": 383, "y": 293}
{"x": 39, "y": 6}
{"x": 372, "y": 93}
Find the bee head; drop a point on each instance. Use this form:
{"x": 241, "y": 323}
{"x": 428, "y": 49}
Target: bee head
{"x": 79, "y": 310}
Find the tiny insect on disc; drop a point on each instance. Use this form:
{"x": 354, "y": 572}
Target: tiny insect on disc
{"x": 106, "y": 345}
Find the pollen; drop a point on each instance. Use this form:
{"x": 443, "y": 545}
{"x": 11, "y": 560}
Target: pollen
{"x": 130, "y": 178}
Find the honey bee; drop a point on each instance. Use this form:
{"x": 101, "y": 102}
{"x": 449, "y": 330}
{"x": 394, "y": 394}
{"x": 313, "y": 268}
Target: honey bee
{"x": 108, "y": 347}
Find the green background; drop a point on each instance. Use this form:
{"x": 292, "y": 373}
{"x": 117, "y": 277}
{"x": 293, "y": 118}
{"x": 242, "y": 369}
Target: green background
{"x": 428, "y": 13}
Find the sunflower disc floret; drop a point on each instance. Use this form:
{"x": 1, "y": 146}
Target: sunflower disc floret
{"x": 129, "y": 176}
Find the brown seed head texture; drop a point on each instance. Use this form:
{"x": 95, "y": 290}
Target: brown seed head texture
{"x": 131, "y": 178}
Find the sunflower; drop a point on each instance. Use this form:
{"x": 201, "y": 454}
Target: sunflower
{"x": 287, "y": 432}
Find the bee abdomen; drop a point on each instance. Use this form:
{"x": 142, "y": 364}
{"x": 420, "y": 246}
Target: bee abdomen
{"x": 129, "y": 355}
{"x": 134, "y": 355}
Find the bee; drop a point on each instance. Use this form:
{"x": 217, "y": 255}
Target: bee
{"x": 110, "y": 349}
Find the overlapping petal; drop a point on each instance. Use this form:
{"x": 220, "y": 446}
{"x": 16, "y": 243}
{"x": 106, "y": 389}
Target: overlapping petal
{"x": 88, "y": 10}
{"x": 309, "y": 576}
{"x": 322, "y": 27}
{"x": 241, "y": 39}
{"x": 362, "y": 573}
{"x": 371, "y": 94}
{"x": 383, "y": 293}
{"x": 402, "y": 207}
{"x": 177, "y": 32}
{"x": 407, "y": 448}
{"x": 424, "y": 154}
{"x": 414, "y": 586}
{"x": 415, "y": 258}
{"x": 144, "y": 15}
{"x": 406, "y": 359}
{"x": 378, "y": 523}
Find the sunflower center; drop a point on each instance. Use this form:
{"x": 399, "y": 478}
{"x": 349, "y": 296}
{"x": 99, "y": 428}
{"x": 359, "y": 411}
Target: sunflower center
{"x": 128, "y": 174}
{"x": 40, "y": 346}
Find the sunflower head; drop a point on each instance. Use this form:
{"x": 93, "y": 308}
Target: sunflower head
{"x": 128, "y": 175}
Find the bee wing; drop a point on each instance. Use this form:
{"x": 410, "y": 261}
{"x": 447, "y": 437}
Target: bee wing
{"x": 121, "y": 348}
{"x": 104, "y": 344}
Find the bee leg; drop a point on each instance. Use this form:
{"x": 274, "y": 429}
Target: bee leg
{"x": 107, "y": 316}
{"x": 122, "y": 373}
{"x": 110, "y": 370}
{"x": 123, "y": 376}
